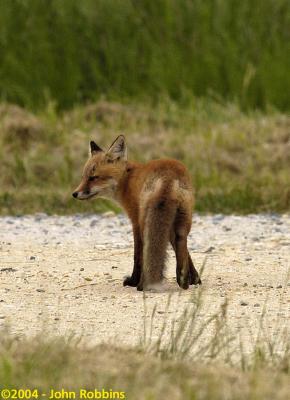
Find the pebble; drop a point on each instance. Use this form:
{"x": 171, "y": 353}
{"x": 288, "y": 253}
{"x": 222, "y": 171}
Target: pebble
{"x": 8, "y": 269}
{"x": 93, "y": 223}
{"x": 210, "y": 249}
{"x": 39, "y": 216}
{"x": 244, "y": 303}
{"x": 40, "y": 290}
{"x": 207, "y": 234}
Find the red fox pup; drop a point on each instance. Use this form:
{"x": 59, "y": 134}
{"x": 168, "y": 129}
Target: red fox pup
{"x": 158, "y": 198}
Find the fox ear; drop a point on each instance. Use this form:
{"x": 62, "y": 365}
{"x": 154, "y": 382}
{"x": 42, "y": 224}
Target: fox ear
{"x": 94, "y": 148}
{"x": 118, "y": 149}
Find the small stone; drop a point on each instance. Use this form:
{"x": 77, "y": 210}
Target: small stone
{"x": 56, "y": 319}
{"x": 88, "y": 279}
{"x": 279, "y": 287}
{"x": 2, "y": 317}
{"x": 8, "y": 269}
{"x": 245, "y": 284}
{"x": 82, "y": 269}
{"x": 256, "y": 305}
{"x": 32, "y": 258}
{"x": 244, "y": 303}
{"x": 40, "y": 290}
{"x": 248, "y": 259}
{"x": 210, "y": 249}
{"x": 93, "y": 223}
{"x": 40, "y": 216}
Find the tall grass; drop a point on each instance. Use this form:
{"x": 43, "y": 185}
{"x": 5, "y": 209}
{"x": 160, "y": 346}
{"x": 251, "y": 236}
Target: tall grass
{"x": 191, "y": 333}
{"x": 186, "y": 364}
{"x": 238, "y": 162}
{"x": 72, "y": 51}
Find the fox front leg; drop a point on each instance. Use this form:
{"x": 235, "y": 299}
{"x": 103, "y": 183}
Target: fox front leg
{"x": 134, "y": 279}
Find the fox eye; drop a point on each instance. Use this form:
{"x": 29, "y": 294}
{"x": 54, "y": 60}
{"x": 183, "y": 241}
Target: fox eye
{"x": 92, "y": 178}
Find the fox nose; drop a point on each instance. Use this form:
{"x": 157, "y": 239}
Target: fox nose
{"x": 75, "y": 194}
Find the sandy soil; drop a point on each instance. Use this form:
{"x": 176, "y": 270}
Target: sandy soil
{"x": 64, "y": 275}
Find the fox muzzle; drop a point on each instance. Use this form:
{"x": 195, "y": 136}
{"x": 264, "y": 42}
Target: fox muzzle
{"x": 84, "y": 195}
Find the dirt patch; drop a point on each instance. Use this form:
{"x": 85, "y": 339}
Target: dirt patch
{"x": 64, "y": 275}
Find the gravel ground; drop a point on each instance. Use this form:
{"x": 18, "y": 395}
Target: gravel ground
{"x": 63, "y": 275}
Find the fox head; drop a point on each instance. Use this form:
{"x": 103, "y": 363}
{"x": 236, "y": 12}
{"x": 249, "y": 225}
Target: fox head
{"x": 103, "y": 171}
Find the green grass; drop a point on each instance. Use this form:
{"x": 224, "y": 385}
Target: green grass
{"x": 183, "y": 366}
{"x": 239, "y": 161}
{"x": 57, "y": 364}
{"x": 73, "y": 51}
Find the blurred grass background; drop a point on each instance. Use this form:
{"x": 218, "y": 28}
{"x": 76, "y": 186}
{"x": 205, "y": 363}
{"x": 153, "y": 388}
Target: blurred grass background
{"x": 206, "y": 82}
{"x": 59, "y": 364}
{"x": 73, "y": 51}
{"x": 239, "y": 163}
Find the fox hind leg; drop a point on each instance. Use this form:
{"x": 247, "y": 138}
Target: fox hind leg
{"x": 193, "y": 274}
{"x": 183, "y": 275}
{"x": 194, "y": 278}
{"x": 135, "y": 278}
{"x": 186, "y": 273}
{"x": 182, "y": 264}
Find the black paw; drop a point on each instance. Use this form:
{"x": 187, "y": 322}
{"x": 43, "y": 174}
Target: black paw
{"x": 130, "y": 281}
{"x": 197, "y": 281}
{"x": 194, "y": 278}
{"x": 183, "y": 280}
